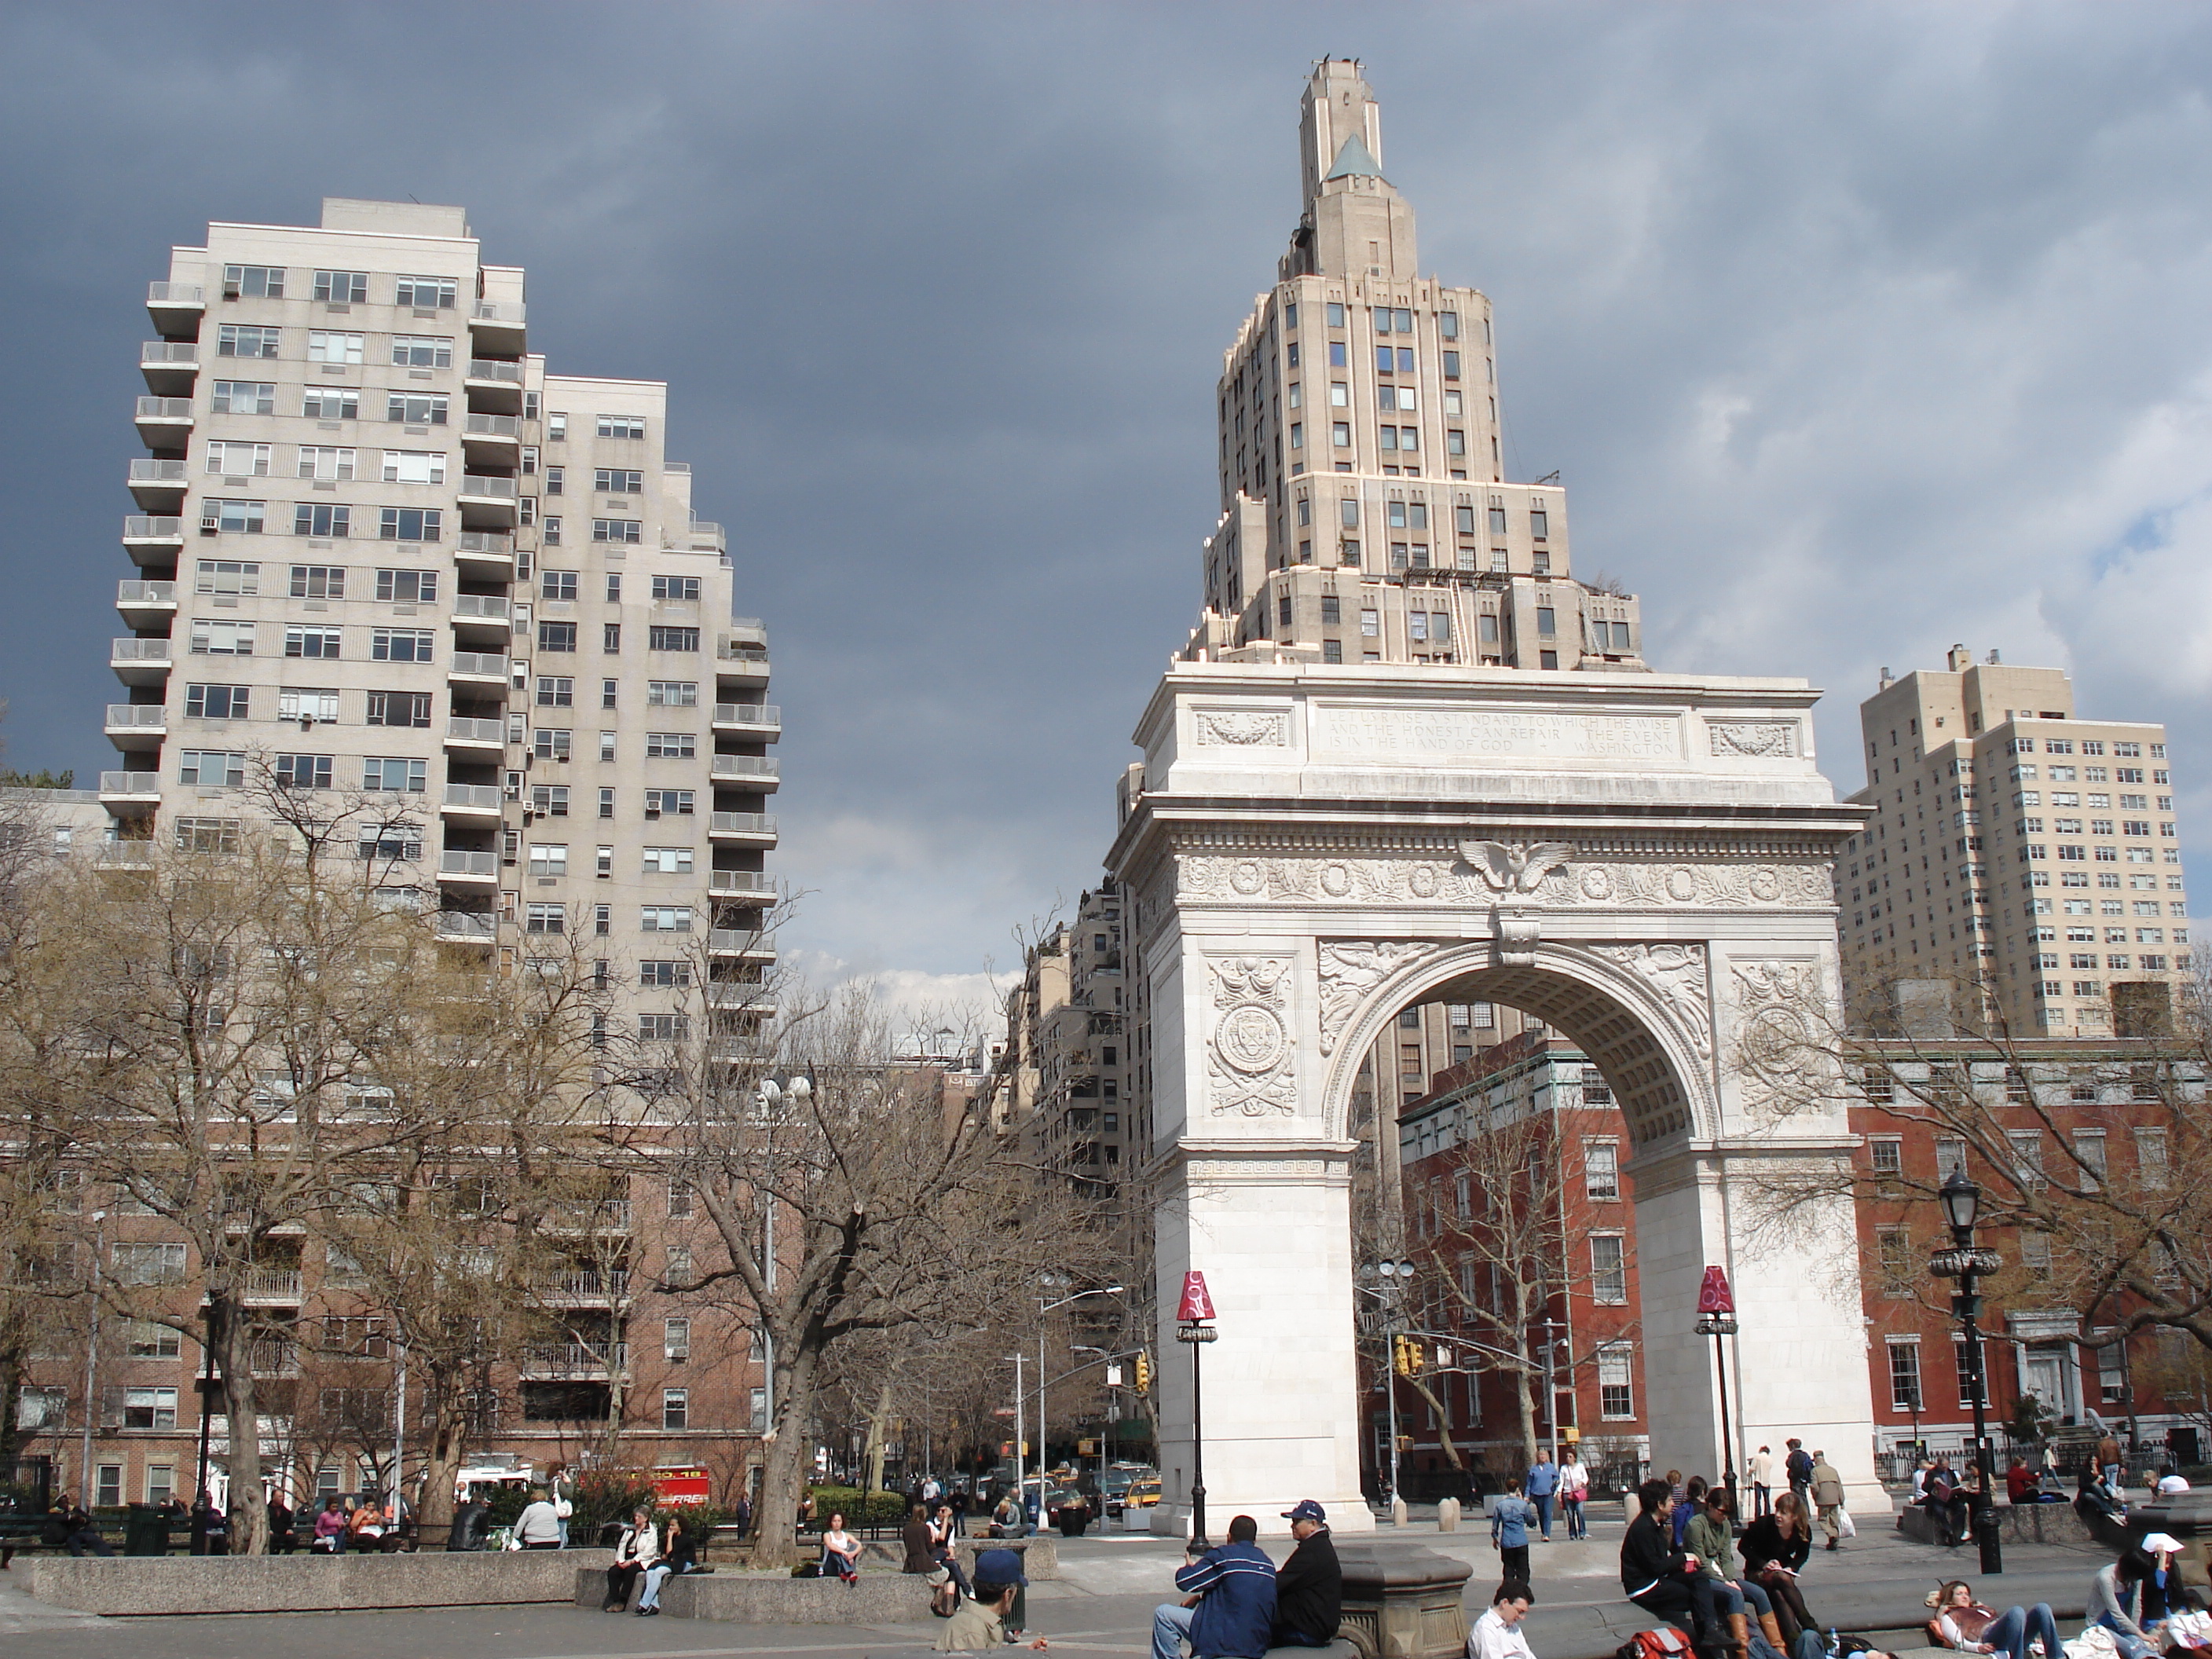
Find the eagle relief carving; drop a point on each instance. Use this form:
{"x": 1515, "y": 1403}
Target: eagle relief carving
{"x": 1517, "y": 867}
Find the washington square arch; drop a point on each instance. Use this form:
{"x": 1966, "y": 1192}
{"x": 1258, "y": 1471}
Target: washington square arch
{"x": 1643, "y": 863}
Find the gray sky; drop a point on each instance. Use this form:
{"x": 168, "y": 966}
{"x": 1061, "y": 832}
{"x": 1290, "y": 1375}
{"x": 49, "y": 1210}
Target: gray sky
{"x": 1855, "y": 330}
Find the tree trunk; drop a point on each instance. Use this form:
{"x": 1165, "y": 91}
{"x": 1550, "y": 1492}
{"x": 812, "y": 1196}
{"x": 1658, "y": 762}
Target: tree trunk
{"x": 230, "y": 1333}
{"x": 878, "y": 1421}
{"x": 775, "y": 1524}
{"x": 447, "y": 1436}
{"x": 11, "y": 1396}
{"x": 1524, "y": 1394}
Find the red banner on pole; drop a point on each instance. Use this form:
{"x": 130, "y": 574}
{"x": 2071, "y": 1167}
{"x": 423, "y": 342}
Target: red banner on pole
{"x": 1714, "y": 1296}
{"x": 1197, "y": 1304}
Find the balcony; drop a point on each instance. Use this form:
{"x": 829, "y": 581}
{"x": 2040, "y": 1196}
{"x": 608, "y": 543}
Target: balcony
{"x": 120, "y": 788}
{"x": 572, "y": 1361}
{"x": 611, "y": 1215}
{"x": 493, "y": 388}
{"x": 170, "y": 366}
{"x": 478, "y": 668}
{"x": 739, "y": 1050}
{"x": 758, "y": 720}
{"x": 491, "y": 440}
{"x": 176, "y": 307}
{"x": 130, "y": 724}
{"x": 746, "y": 631}
{"x": 165, "y": 422}
{"x": 139, "y": 662}
{"x": 749, "y": 771}
{"x": 744, "y": 829}
{"x": 466, "y": 926}
{"x": 751, "y": 886}
{"x": 158, "y": 486}
{"x": 582, "y": 1285}
{"x": 473, "y": 800}
{"x": 700, "y": 536}
{"x": 153, "y": 541}
{"x": 483, "y": 611}
{"x": 728, "y": 995}
{"x": 125, "y": 854}
{"x": 488, "y": 553}
{"x": 497, "y": 324}
{"x": 488, "y": 503}
{"x": 489, "y": 737}
{"x": 272, "y": 1284}
{"x": 146, "y": 605}
{"x": 468, "y": 869}
{"x": 739, "y": 943}
{"x": 273, "y": 1359}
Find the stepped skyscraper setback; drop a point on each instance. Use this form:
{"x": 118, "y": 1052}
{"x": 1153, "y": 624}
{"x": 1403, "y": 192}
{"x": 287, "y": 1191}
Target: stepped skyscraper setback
{"x": 1365, "y": 516}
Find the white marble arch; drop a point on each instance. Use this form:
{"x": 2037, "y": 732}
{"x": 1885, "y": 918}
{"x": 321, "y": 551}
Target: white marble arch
{"x": 1645, "y": 862}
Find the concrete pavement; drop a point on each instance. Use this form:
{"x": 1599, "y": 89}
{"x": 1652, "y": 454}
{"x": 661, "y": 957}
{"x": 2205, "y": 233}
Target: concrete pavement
{"x": 1101, "y": 1606}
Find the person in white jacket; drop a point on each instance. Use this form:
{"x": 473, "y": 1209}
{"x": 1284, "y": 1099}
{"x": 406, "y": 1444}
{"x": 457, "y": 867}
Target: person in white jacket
{"x": 1498, "y": 1634}
{"x": 1762, "y": 1484}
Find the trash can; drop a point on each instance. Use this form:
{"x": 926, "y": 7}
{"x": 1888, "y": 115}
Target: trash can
{"x": 145, "y": 1531}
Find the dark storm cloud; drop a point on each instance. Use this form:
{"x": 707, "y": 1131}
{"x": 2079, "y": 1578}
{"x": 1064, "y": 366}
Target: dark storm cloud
{"x": 1855, "y": 330}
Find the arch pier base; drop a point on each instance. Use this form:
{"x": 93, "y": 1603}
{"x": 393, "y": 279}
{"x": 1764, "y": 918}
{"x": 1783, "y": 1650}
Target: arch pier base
{"x": 1644, "y": 862}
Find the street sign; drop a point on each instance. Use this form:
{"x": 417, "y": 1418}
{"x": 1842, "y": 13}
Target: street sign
{"x": 1114, "y": 1377}
{"x": 1002, "y": 1411}
{"x": 1197, "y": 1304}
{"x": 1714, "y": 1296}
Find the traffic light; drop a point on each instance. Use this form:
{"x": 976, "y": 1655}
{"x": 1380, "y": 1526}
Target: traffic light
{"x": 1143, "y": 1372}
{"x": 1408, "y": 1356}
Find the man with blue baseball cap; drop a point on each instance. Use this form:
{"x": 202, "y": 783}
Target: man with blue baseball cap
{"x": 1309, "y": 1586}
{"x": 1229, "y": 1606}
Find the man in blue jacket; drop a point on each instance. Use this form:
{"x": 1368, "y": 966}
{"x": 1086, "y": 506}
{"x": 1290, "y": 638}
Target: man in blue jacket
{"x": 1229, "y": 1609}
{"x": 1542, "y": 1486}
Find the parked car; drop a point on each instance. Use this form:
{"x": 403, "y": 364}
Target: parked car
{"x": 1143, "y": 1493}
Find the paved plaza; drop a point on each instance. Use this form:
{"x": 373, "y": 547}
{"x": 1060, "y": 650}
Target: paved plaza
{"x": 1102, "y": 1605}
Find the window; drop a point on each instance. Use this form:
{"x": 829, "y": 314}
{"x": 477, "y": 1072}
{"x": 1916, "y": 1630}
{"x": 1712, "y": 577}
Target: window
{"x": 331, "y": 346}
{"x": 557, "y": 480}
{"x": 1950, "y": 1154}
{"x": 207, "y": 835}
{"x": 675, "y": 1333}
{"x": 407, "y": 708}
{"x": 342, "y": 288}
{"x": 416, "y": 407}
{"x": 254, "y": 282}
{"x": 400, "y": 645}
{"x": 675, "y": 1407}
{"x": 238, "y": 517}
{"x": 148, "y": 1264}
{"x": 425, "y": 293}
{"x": 617, "y": 530}
{"x": 307, "y": 703}
{"x": 2027, "y": 1154}
{"x": 618, "y": 481}
{"x": 246, "y": 340}
{"x": 300, "y": 642}
{"x": 546, "y": 919}
{"x": 1893, "y": 1247}
{"x": 1600, "y": 1166}
{"x": 303, "y": 771}
{"x": 143, "y": 1340}
{"x": 1888, "y": 1152}
{"x": 212, "y": 769}
{"x": 606, "y": 796}
{"x": 555, "y": 691}
{"x": 2089, "y": 1156}
{"x": 668, "y": 973}
{"x": 1615, "y": 1381}
{"x": 408, "y": 587}
{"x": 222, "y": 639}
{"x": 242, "y": 397}
{"x": 325, "y": 461}
{"x": 622, "y": 426}
{"x": 667, "y": 862}
{"x": 673, "y": 587}
{"x": 414, "y": 466}
{"x": 671, "y": 802}
{"x": 239, "y": 459}
{"x": 548, "y": 858}
{"x": 148, "y": 1408}
{"x": 410, "y": 523}
{"x": 1608, "y": 1270}
{"x": 217, "y": 702}
{"x": 665, "y": 918}
{"x": 671, "y": 746}
{"x": 1966, "y": 1389}
{"x": 609, "y": 689}
{"x": 672, "y": 693}
{"x": 557, "y": 636}
{"x": 387, "y": 775}
{"x": 1904, "y": 1376}
{"x": 550, "y": 743}
{"x": 423, "y": 350}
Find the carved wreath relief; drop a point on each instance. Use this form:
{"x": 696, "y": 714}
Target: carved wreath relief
{"x": 1250, "y": 1059}
{"x": 1544, "y": 877}
{"x": 1760, "y": 739}
{"x": 1260, "y": 728}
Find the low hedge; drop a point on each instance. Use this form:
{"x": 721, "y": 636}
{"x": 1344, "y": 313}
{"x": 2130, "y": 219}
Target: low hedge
{"x": 859, "y": 1508}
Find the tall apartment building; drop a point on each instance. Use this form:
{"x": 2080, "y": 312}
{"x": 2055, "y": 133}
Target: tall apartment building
{"x": 2025, "y": 859}
{"x": 384, "y": 553}
{"x": 1365, "y": 515}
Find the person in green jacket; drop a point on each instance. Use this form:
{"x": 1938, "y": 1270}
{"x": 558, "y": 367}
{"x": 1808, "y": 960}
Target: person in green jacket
{"x": 1737, "y": 1599}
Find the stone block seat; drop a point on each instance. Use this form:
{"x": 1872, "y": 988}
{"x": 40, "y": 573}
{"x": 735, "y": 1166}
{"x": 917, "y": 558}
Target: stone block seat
{"x": 773, "y": 1598}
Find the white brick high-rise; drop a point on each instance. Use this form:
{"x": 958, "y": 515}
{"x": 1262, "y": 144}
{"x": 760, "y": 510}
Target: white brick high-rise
{"x": 385, "y": 554}
{"x": 1366, "y": 513}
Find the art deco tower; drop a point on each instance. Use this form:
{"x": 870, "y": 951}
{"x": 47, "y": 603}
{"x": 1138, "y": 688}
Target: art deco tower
{"x": 1365, "y": 511}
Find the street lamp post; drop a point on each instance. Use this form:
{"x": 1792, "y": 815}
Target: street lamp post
{"x": 91, "y": 1358}
{"x": 1720, "y": 1327}
{"x": 1045, "y": 1307}
{"x": 1961, "y": 1200}
{"x": 1397, "y": 1277}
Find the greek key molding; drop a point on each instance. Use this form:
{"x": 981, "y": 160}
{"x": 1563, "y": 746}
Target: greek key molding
{"x": 1250, "y": 1056}
{"x": 1243, "y": 728}
{"x": 1351, "y": 969}
{"x": 1760, "y": 739}
{"x": 1678, "y": 973}
{"x": 1656, "y": 884}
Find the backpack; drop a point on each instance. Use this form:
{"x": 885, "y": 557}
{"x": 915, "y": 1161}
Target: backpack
{"x": 1664, "y": 1643}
